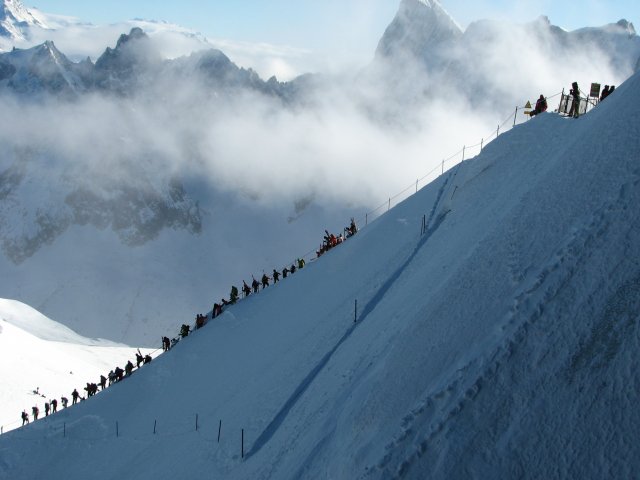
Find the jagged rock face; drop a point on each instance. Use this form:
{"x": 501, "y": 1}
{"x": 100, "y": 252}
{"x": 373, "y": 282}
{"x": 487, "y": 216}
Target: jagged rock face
{"x": 41, "y": 69}
{"x": 35, "y": 212}
{"x": 119, "y": 69}
{"x": 419, "y": 29}
{"x": 133, "y": 66}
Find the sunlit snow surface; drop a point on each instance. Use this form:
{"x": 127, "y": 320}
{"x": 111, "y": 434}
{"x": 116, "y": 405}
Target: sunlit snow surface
{"x": 40, "y": 355}
{"x": 501, "y": 343}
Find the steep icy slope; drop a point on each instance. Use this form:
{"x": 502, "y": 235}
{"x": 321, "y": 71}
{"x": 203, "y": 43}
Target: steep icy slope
{"x": 501, "y": 343}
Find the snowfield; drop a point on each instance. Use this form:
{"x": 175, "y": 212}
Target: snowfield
{"x": 43, "y": 356}
{"x": 504, "y": 342}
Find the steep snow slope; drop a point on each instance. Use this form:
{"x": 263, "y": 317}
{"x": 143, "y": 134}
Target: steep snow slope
{"x": 502, "y": 343}
{"x": 40, "y": 355}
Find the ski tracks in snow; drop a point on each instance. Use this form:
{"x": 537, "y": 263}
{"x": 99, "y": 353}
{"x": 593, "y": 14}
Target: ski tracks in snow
{"x": 432, "y": 226}
{"x": 432, "y": 417}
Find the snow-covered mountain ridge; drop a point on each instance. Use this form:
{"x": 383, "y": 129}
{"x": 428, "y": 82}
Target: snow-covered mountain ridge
{"x": 16, "y": 20}
{"x": 502, "y": 342}
{"x": 141, "y": 188}
{"x": 134, "y": 65}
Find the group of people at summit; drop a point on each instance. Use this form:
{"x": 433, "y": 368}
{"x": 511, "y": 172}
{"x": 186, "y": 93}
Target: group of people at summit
{"x": 574, "y": 95}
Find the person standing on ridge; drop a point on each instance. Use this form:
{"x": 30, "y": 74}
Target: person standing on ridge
{"x": 575, "y": 104}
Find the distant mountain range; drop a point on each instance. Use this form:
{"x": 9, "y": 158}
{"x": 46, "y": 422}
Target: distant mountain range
{"x": 131, "y": 66}
{"x": 422, "y": 50}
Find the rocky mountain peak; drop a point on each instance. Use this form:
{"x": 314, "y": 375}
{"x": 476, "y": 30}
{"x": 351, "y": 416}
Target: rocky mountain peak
{"x": 418, "y": 29}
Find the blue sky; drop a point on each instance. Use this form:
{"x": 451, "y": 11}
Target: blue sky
{"x": 330, "y": 25}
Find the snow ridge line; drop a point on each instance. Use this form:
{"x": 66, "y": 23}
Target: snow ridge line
{"x": 279, "y": 418}
{"x": 529, "y": 305}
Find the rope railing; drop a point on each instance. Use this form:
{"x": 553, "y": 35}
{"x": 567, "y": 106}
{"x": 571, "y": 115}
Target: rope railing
{"x": 511, "y": 119}
{"x": 229, "y": 439}
{"x": 370, "y": 215}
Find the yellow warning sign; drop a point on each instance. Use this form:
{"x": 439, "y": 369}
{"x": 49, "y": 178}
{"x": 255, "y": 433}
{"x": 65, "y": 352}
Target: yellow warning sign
{"x": 528, "y": 105}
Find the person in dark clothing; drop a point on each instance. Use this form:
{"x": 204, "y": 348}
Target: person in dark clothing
{"x": 265, "y": 281}
{"x": 25, "y": 418}
{"x": 103, "y": 382}
{"x": 234, "y": 294}
{"x": 89, "y": 389}
{"x": 138, "y": 359}
{"x": 605, "y": 92}
{"x": 352, "y": 229}
{"x": 185, "y": 330}
{"x": 166, "y": 344}
{"x": 74, "y": 396}
{"x": 54, "y": 405}
{"x": 128, "y": 368}
{"x": 575, "y": 103}
{"x": 46, "y": 409}
{"x": 147, "y": 359}
{"x": 285, "y": 272}
{"x": 301, "y": 263}
{"x": 112, "y": 377}
{"x": 541, "y": 106}
{"x": 34, "y": 412}
{"x": 255, "y": 284}
{"x": 65, "y": 402}
{"x": 118, "y": 371}
{"x": 276, "y": 275}
{"x": 246, "y": 289}
{"x": 200, "y": 321}
{"x": 292, "y": 269}
{"x": 217, "y": 310}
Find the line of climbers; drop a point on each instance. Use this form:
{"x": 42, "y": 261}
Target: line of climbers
{"x": 115, "y": 375}
{"x": 118, "y": 374}
{"x": 329, "y": 241}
